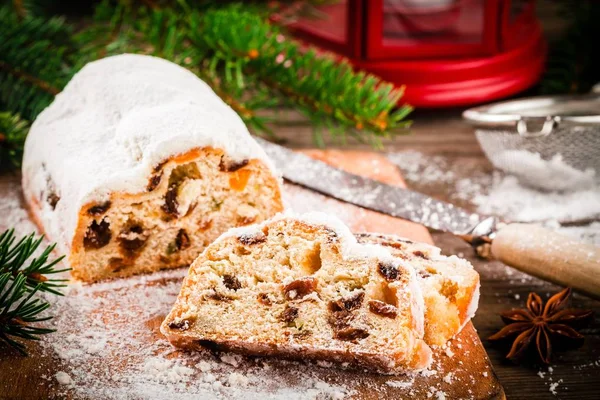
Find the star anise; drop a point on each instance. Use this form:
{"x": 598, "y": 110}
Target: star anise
{"x": 546, "y": 325}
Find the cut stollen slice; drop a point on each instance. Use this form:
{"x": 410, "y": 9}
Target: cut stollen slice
{"x": 301, "y": 287}
{"x": 450, "y": 285}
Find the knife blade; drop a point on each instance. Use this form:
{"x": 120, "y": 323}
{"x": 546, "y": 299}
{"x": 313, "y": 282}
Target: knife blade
{"x": 369, "y": 193}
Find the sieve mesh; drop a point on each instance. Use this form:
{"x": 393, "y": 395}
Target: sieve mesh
{"x": 579, "y": 146}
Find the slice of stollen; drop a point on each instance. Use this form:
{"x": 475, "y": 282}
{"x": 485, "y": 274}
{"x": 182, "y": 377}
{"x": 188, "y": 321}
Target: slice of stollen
{"x": 302, "y": 287}
{"x": 450, "y": 285}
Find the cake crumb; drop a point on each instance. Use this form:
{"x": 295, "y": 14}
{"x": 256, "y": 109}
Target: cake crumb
{"x": 231, "y": 359}
{"x": 237, "y": 380}
{"x": 448, "y": 377}
{"x": 554, "y": 386}
{"x": 63, "y": 378}
{"x": 204, "y": 366}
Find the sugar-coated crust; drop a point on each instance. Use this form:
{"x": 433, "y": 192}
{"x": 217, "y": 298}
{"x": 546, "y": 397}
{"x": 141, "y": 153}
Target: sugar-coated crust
{"x": 414, "y": 355}
{"x": 116, "y": 120}
{"x": 451, "y": 294}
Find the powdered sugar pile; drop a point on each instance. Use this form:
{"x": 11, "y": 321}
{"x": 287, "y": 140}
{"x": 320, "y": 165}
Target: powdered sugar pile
{"x": 553, "y": 174}
{"x": 496, "y": 193}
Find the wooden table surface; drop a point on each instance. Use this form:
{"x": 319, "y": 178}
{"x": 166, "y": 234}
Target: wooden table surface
{"x": 443, "y": 133}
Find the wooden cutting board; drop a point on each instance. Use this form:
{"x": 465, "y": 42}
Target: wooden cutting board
{"x": 461, "y": 370}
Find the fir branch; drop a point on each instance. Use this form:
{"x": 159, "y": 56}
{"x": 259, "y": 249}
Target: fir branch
{"x": 247, "y": 47}
{"x": 20, "y": 279}
{"x": 32, "y": 61}
{"x": 16, "y": 320}
{"x": 13, "y": 131}
{"x": 15, "y": 260}
{"x": 248, "y": 61}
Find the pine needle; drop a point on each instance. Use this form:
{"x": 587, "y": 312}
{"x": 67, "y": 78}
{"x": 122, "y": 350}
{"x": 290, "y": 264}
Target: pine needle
{"x": 21, "y": 277}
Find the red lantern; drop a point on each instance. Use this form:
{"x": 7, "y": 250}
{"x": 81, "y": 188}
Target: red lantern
{"x": 446, "y": 52}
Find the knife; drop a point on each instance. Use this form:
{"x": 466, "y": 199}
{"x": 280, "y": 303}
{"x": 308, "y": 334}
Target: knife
{"x": 529, "y": 248}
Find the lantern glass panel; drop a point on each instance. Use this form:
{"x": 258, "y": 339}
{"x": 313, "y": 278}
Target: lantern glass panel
{"x": 413, "y": 22}
{"x": 330, "y": 23}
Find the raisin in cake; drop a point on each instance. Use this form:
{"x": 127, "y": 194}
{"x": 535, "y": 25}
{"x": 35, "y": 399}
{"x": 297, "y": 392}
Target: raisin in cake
{"x": 302, "y": 287}
{"x": 450, "y": 285}
{"x": 137, "y": 165}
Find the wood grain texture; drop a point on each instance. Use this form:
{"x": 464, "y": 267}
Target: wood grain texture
{"x": 471, "y": 373}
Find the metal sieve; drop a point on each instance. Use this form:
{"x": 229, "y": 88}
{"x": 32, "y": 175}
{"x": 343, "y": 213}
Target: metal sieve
{"x": 552, "y": 143}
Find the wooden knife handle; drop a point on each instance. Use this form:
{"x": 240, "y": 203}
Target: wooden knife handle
{"x": 550, "y": 256}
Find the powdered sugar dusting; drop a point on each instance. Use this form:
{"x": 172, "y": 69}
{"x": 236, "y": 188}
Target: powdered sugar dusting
{"x": 553, "y": 174}
{"x": 113, "y": 123}
{"x": 506, "y": 196}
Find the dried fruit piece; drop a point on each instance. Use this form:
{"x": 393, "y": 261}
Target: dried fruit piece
{"x": 239, "y": 179}
{"x": 388, "y": 271}
{"x": 132, "y": 239}
{"x": 204, "y": 224}
{"x": 182, "y": 240}
{"x": 170, "y": 205}
{"x": 424, "y": 274}
{"x": 230, "y": 165}
{"x": 99, "y": 209}
{"x": 117, "y": 264}
{"x": 420, "y": 254}
{"x": 97, "y": 235}
{"x": 158, "y": 167}
{"x": 383, "y": 309}
{"x": 231, "y": 282}
{"x": 299, "y": 288}
{"x": 347, "y": 304}
{"x": 216, "y": 295}
{"x": 52, "y": 198}
{"x": 182, "y": 325}
{"x": 178, "y": 175}
{"x": 154, "y": 181}
{"x": 249, "y": 240}
{"x": 350, "y": 333}
{"x": 243, "y": 221}
{"x": 289, "y": 314}
{"x": 264, "y": 299}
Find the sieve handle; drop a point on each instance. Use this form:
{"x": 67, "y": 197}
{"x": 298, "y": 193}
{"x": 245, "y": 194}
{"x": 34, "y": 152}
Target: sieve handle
{"x": 550, "y": 256}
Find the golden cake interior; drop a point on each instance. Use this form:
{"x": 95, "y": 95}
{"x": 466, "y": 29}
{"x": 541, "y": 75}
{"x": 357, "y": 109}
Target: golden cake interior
{"x": 449, "y": 284}
{"x": 189, "y": 201}
{"x": 287, "y": 290}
